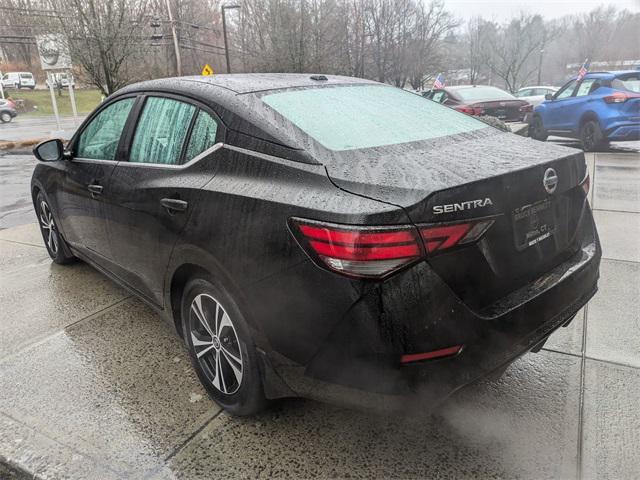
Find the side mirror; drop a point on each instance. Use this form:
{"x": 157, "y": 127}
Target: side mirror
{"x": 49, "y": 150}
{"x": 548, "y": 96}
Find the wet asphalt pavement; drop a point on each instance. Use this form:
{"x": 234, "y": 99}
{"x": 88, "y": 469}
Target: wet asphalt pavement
{"x": 94, "y": 385}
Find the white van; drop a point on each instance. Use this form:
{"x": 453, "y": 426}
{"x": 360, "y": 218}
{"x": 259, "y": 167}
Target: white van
{"x": 62, "y": 79}
{"x": 19, "y": 80}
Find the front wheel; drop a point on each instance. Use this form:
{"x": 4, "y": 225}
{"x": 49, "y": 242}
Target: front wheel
{"x": 221, "y": 348}
{"x": 5, "y": 117}
{"x": 56, "y": 246}
{"x": 536, "y": 130}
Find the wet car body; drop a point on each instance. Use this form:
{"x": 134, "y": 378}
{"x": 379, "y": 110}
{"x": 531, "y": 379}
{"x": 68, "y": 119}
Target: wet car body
{"x": 7, "y": 111}
{"x": 421, "y": 332}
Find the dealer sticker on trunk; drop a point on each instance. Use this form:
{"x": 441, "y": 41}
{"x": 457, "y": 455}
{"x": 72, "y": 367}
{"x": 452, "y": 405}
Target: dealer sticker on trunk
{"x": 533, "y": 223}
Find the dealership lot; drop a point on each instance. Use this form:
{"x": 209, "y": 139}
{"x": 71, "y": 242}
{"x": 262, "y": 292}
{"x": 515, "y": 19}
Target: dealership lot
{"x": 95, "y": 385}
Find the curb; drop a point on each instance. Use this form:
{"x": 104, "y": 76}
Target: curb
{"x": 19, "y": 146}
{"x": 10, "y": 471}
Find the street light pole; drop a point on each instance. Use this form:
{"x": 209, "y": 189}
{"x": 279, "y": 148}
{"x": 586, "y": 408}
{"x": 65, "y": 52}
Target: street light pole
{"x": 176, "y": 47}
{"x": 224, "y": 34}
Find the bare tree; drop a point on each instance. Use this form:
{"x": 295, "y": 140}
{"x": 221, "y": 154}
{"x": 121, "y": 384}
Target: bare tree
{"x": 511, "y": 51}
{"x": 103, "y": 37}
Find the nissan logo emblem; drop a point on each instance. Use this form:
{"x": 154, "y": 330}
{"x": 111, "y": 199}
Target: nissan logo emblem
{"x": 550, "y": 180}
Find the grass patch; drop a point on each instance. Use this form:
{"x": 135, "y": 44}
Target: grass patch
{"x": 86, "y": 101}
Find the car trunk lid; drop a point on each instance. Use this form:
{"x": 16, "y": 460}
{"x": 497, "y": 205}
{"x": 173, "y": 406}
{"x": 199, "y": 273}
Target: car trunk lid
{"x": 507, "y": 110}
{"x": 484, "y": 175}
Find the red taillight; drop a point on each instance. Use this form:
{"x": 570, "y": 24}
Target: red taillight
{"x": 586, "y": 184}
{"x": 442, "y": 237}
{"x": 469, "y": 110}
{"x": 443, "y": 352}
{"x": 620, "y": 97}
{"x": 376, "y": 252}
{"x": 367, "y": 252}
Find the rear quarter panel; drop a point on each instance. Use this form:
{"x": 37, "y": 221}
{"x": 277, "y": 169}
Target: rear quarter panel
{"x": 239, "y": 233}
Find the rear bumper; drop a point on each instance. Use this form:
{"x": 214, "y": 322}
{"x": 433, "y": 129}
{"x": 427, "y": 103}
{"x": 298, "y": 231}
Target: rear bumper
{"x": 358, "y": 364}
{"x": 624, "y": 132}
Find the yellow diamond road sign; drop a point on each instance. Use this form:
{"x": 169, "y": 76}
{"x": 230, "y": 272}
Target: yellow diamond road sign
{"x": 207, "y": 70}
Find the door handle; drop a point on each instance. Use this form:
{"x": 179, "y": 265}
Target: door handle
{"x": 174, "y": 205}
{"x": 95, "y": 189}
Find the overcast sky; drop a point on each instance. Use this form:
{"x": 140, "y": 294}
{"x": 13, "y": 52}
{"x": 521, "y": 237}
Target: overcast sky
{"x": 501, "y": 10}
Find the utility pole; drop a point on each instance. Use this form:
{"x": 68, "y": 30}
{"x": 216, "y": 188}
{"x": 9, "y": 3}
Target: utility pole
{"x": 540, "y": 66}
{"x": 176, "y": 47}
{"x": 224, "y": 33}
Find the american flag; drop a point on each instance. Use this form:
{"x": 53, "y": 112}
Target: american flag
{"x": 583, "y": 69}
{"x": 439, "y": 81}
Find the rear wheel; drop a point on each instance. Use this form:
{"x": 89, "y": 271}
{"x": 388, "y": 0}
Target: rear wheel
{"x": 5, "y": 117}
{"x": 221, "y": 348}
{"x": 536, "y": 129}
{"x": 56, "y": 246}
{"x": 591, "y": 137}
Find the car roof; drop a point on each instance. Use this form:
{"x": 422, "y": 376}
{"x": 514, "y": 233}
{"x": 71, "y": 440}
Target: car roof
{"x": 463, "y": 87}
{"x": 257, "y": 82}
{"x": 607, "y": 74}
{"x": 539, "y": 86}
{"x": 230, "y": 96}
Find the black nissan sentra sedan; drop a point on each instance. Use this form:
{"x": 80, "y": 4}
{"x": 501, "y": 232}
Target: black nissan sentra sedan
{"x": 324, "y": 236}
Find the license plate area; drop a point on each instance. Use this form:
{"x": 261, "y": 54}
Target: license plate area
{"x": 533, "y": 223}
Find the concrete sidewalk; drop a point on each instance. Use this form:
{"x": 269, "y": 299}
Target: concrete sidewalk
{"x": 94, "y": 385}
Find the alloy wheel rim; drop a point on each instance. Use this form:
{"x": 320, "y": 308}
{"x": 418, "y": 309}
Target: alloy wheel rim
{"x": 215, "y": 343}
{"x": 48, "y": 228}
{"x": 589, "y": 135}
{"x": 537, "y": 128}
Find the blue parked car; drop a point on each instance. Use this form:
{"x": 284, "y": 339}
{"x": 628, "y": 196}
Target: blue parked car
{"x": 602, "y": 107}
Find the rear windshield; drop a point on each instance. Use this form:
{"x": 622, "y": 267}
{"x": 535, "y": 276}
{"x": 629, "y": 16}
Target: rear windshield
{"x": 26, "y": 75}
{"x": 482, "y": 93}
{"x": 364, "y": 116}
{"x": 630, "y": 83}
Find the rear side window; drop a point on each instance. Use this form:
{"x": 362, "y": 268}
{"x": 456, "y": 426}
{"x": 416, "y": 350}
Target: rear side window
{"x": 585, "y": 87}
{"x": 630, "y": 83}
{"x": 161, "y": 131}
{"x": 365, "y": 116}
{"x": 99, "y": 140}
{"x": 203, "y": 135}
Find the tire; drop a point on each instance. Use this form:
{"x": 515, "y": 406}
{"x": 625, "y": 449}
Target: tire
{"x": 5, "y": 117}
{"x": 56, "y": 246}
{"x": 536, "y": 129}
{"x": 222, "y": 353}
{"x": 591, "y": 137}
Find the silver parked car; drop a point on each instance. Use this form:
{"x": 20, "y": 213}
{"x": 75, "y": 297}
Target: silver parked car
{"x": 535, "y": 95}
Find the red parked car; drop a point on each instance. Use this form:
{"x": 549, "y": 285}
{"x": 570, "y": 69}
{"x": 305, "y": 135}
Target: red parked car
{"x": 483, "y": 100}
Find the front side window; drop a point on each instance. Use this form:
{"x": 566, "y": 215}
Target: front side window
{"x": 567, "y": 90}
{"x": 161, "y": 131}
{"x": 203, "y": 135}
{"x": 352, "y": 117}
{"x": 99, "y": 140}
